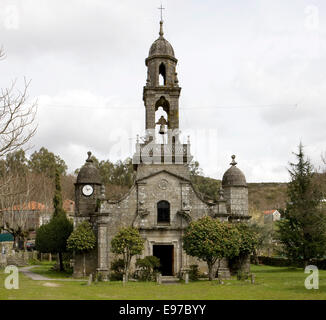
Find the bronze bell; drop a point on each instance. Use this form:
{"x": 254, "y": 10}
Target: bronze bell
{"x": 162, "y": 129}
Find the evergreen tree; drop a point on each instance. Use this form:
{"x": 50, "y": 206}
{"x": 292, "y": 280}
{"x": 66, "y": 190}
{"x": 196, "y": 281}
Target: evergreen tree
{"x": 46, "y": 162}
{"x": 57, "y": 199}
{"x": 52, "y": 237}
{"x": 302, "y": 231}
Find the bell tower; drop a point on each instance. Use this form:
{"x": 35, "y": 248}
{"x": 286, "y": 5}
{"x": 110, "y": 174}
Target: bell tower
{"x": 161, "y": 144}
{"x": 162, "y": 89}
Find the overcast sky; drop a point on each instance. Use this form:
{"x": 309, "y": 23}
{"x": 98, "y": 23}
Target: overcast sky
{"x": 252, "y": 74}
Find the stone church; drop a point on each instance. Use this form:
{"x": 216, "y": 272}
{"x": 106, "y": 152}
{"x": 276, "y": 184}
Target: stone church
{"x": 162, "y": 201}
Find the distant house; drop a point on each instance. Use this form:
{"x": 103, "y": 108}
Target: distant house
{"x": 69, "y": 207}
{"x": 29, "y": 216}
{"x": 6, "y": 242}
{"x": 271, "y": 216}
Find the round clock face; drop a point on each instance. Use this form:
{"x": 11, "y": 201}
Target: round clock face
{"x": 87, "y": 190}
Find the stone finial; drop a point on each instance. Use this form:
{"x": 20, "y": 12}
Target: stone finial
{"x": 161, "y": 29}
{"x": 176, "y": 78}
{"x": 89, "y": 157}
{"x": 233, "y": 162}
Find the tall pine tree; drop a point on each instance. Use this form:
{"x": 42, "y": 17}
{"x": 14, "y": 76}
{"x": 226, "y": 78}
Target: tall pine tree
{"x": 52, "y": 237}
{"x": 302, "y": 231}
{"x": 57, "y": 199}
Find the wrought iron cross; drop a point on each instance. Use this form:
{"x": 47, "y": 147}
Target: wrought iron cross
{"x": 161, "y": 8}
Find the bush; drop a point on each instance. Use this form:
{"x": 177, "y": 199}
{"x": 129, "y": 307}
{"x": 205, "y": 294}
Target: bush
{"x": 194, "y": 272}
{"x": 276, "y": 261}
{"x": 148, "y": 268}
{"x": 33, "y": 261}
{"x": 242, "y": 275}
{"x": 117, "y": 267}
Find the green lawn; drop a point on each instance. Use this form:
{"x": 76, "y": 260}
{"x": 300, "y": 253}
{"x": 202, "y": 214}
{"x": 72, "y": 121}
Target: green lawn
{"x": 45, "y": 269}
{"x": 271, "y": 283}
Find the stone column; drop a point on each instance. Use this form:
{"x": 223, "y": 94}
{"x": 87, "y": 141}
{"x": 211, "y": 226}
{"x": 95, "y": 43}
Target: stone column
{"x": 102, "y": 264}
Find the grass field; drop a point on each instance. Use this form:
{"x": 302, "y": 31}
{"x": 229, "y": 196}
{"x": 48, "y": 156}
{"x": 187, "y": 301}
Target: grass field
{"x": 271, "y": 283}
{"x": 46, "y": 271}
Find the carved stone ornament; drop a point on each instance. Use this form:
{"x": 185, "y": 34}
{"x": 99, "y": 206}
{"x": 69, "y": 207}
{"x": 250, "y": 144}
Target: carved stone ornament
{"x": 143, "y": 212}
{"x": 184, "y": 214}
{"x": 163, "y": 184}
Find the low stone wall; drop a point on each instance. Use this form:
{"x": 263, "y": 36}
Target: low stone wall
{"x": 3, "y": 260}
{"x": 20, "y": 258}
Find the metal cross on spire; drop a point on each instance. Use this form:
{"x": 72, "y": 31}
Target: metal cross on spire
{"x": 161, "y": 8}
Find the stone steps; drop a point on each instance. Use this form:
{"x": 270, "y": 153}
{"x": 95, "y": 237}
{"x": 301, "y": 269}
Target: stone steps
{"x": 169, "y": 279}
{"x": 16, "y": 261}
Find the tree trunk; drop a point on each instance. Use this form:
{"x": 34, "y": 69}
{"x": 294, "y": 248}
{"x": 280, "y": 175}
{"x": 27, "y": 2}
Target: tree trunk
{"x": 256, "y": 261}
{"x": 127, "y": 264}
{"x": 14, "y": 245}
{"x": 84, "y": 265}
{"x": 210, "y": 271}
{"x": 61, "y": 262}
{"x": 127, "y": 272}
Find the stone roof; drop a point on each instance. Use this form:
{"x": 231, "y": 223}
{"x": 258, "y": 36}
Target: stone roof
{"x": 161, "y": 46}
{"x": 89, "y": 173}
{"x": 234, "y": 176}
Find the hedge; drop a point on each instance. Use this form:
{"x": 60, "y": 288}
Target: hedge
{"x": 284, "y": 262}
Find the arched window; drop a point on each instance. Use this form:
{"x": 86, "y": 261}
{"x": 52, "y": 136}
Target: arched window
{"x": 162, "y": 75}
{"x": 163, "y": 212}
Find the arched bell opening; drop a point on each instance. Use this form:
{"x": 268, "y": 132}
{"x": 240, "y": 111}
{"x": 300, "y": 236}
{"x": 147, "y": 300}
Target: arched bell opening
{"x": 161, "y": 127}
{"x": 162, "y": 109}
{"x": 162, "y": 102}
{"x": 162, "y": 74}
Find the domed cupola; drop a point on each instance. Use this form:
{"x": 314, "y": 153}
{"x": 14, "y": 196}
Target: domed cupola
{"x": 235, "y": 191}
{"x": 161, "y": 47}
{"x": 89, "y": 173}
{"x": 234, "y": 177}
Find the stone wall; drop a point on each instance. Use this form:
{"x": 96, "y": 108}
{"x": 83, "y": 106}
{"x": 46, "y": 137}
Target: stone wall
{"x": 237, "y": 200}
{"x": 139, "y": 209}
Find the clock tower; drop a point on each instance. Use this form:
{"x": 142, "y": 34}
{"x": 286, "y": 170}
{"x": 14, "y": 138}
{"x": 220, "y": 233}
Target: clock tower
{"x": 87, "y": 189}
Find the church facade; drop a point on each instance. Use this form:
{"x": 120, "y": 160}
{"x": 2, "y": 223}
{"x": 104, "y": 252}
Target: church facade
{"x": 162, "y": 201}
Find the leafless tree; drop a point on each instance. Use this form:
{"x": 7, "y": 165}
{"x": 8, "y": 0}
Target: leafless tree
{"x": 17, "y": 117}
{"x": 16, "y": 216}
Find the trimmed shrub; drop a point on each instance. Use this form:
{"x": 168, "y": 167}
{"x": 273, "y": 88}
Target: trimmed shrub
{"x": 117, "y": 268}
{"x": 194, "y": 272}
{"x": 148, "y": 268}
